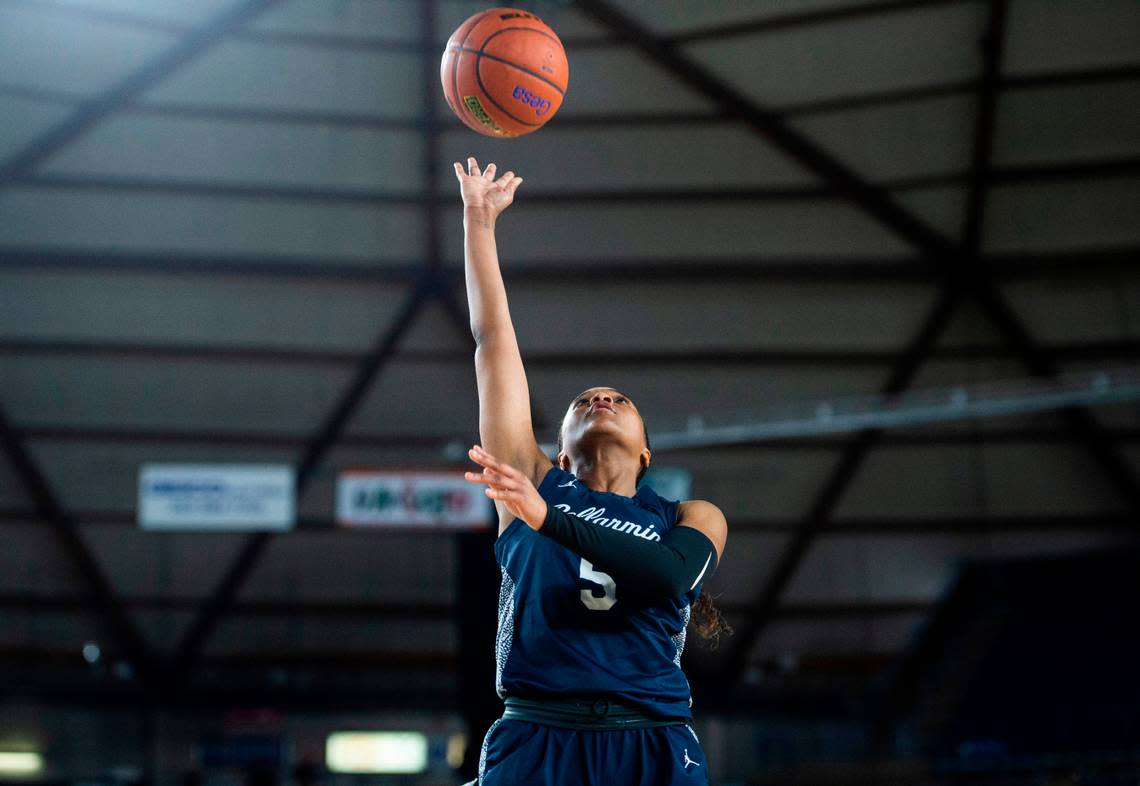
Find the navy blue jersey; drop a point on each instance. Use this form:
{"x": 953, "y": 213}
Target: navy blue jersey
{"x": 565, "y": 627}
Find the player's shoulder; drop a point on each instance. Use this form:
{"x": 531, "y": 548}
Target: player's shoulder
{"x": 700, "y": 509}
{"x": 706, "y": 517}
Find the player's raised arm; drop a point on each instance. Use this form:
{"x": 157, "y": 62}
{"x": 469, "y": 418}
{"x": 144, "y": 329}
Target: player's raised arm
{"x": 505, "y": 426}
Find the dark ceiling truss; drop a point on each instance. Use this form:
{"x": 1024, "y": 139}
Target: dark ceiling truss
{"x": 938, "y": 249}
{"x": 718, "y": 357}
{"x": 881, "y": 98}
{"x": 1059, "y": 171}
{"x": 49, "y": 510}
{"x": 957, "y": 265}
{"x": 443, "y": 443}
{"x": 909, "y": 527}
{"x": 19, "y": 164}
{"x": 196, "y": 40}
{"x": 433, "y": 286}
{"x": 419, "y": 611}
{"x": 1081, "y": 264}
{"x": 766, "y": 24}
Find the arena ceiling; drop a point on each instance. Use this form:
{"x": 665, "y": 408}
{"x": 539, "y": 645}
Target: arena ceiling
{"x": 229, "y": 232}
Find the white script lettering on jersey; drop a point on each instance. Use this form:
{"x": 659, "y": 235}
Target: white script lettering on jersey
{"x": 594, "y": 516}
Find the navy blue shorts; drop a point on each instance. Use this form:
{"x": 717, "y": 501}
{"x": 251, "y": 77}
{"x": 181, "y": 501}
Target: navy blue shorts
{"x": 520, "y": 753}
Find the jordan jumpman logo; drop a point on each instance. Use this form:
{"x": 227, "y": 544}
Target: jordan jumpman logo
{"x": 689, "y": 761}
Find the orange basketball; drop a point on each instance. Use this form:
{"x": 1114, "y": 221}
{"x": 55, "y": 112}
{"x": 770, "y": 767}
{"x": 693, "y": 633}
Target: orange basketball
{"x": 504, "y": 72}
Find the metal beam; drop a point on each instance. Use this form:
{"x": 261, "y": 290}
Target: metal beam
{"x": 798, "y": 19}
{"x": 993, "y": 305}
{"x": 221, "y": 598}
{"x": 49, "y": 511}
{"x": 196, "y": 41}
{"x": 955, "y": 262}
{"x": 715, "y": 357}
{"x": 1070, "y": 264}
{"x": 872, "y": 199}
{"x": 767, "y": 601}
{"x": 869, "y": 100}
{"x": 909, "y": 527}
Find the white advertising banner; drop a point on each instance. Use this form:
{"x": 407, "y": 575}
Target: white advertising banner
{"x": 374, "y": 498}
{"x": 229, "y": 497}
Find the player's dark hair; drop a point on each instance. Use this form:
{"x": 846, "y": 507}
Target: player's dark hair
{"x": 708, "y": 622}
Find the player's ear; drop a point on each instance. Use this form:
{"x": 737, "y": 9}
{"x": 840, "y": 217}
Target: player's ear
{"x": 644, "y": 459}
{"x": 563, "y": 461}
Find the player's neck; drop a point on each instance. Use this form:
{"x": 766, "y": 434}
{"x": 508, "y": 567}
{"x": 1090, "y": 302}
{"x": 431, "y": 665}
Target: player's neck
{"x": 607, "y": 468}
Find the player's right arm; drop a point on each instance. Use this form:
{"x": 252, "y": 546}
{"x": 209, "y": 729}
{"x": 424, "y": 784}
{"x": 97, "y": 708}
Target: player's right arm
{"x": 505, "y": 426}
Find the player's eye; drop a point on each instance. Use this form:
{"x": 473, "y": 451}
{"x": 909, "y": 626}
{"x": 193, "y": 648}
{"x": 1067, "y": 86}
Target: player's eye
{"x": 579, "y": 402}
{"x": 622, "y": 400}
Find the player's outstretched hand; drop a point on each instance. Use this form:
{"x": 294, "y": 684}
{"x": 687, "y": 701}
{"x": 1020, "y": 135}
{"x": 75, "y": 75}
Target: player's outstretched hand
{"x": 483, "y": 195}
{"x": 507, "y": 485}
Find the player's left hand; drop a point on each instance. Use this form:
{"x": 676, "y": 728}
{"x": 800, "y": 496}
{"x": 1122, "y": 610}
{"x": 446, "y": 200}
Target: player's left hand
{"x": 508, "y": 486}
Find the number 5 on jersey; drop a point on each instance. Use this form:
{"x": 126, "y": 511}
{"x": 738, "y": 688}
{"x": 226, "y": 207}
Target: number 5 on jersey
{"x": 604, "y": 581}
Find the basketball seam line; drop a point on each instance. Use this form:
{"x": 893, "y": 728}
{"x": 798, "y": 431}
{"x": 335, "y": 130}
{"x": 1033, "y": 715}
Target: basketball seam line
{"x": 504, "y": 61}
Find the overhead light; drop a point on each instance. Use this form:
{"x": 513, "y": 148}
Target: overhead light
{"x": 20, "y": 763}
{"x": 366, "y": 752}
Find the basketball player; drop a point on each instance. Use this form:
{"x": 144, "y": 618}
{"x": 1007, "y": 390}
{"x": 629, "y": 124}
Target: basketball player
{"x": 599, "y": 576}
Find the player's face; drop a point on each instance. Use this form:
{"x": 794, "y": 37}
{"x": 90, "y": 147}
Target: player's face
{"x": 603, "y": 413}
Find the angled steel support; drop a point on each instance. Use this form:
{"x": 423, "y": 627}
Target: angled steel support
{"x": 222, "y": 597}
{"x": 989, "y": 298}
{"x": 765, "y": 606}
{"x": 23, "y": 161}
{"x": 955, "y": 264}
{"x": 870, "y": 198}
{"x": 111, "y": 609}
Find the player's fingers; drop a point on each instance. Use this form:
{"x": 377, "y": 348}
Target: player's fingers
{"x": 476, "y": 477}
{"x": 505, "y": 179}
{"x": 513, "y": 185}
{"x": 489, "y": 172}
{"x": 459, "y": 171}
{"x": 472, "y": 167}
{"x": 481, "y": 456}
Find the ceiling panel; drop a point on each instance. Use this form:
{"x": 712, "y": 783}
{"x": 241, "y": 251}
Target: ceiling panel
{"x": 942, "y": 209}
{"x": 146, "y": 564}
{"x": 155, "y": 310}
{"x": 247, "y": 74}
{"x": 104, "y": 477}
{"x": 293, "y": 638}
{"x": 216, "y": 151}
{"x": 664, "y": 157}
{"x": 24, "y": 120}
{"x": 657, "y": 233}
{"x": 995, "y": 479}
{"x": 57, "y": 50}
{"x": 167, "y": 10}
{"x": 789, "y": 640}
{"x": 601, "y": 316}
{"x": 33, "y": 560}
{"x": 930, "y": 137}
{"x": 1062, "y": 311}
{"x": 899, "y": 50}
{"x": 116, "y": 221}
{"x": 128, "y": 392}
{"x": 1067, "y": 123}
{"x": 1066, "y": 215}
{"x": 1044, "y": 35}
{"x": 565, "y": 20}
{"x": 678, "y": 16}
{"x": 394, "y": 567}
{"x": 389, "y": 20}
{"x": 619, "y": 80}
